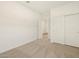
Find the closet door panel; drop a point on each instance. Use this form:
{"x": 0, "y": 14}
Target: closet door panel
{"x": 72, "y": 30}
{"x": 57, "y": 29}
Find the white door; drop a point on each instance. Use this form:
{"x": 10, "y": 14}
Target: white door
{"x": 57, "y": 29}
{"x": 72, "y": 30}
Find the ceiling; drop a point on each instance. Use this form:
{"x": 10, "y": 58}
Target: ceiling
{"x": 43, "y": 7}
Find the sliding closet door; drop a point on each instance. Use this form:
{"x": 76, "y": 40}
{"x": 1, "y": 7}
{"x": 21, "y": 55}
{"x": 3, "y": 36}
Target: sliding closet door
{"x": 72, "y": 30}
{"x": 57, "y": 29}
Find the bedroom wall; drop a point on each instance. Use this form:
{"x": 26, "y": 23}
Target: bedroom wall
{"x": 18, "y": 25}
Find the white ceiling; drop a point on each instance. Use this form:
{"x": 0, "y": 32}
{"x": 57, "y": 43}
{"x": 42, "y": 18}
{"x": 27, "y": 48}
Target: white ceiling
{"x": 44, "y": 6}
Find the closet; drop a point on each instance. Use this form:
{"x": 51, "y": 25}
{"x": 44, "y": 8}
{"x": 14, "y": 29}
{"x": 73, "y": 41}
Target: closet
{"x": 64, "y": 25}
{"x": 72, "y": 30}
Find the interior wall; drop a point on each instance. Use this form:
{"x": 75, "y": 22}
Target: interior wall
{"x": 57, "y": 21}
{"x": 18, "y": 25}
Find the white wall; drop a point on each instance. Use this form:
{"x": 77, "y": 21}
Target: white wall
{"x": 70, "y": 8}
{"x": 58, "y": 21}
{"x": 18, "y": 25}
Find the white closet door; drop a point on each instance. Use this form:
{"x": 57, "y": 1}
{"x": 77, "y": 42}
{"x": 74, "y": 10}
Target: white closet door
{"x": 57, "y": 29}
{"x": 72, "y": 30}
